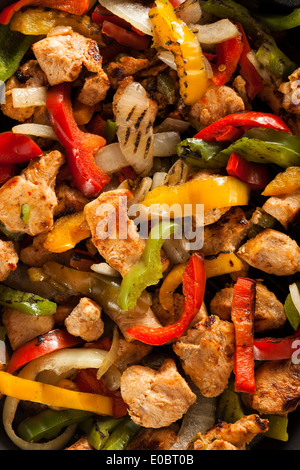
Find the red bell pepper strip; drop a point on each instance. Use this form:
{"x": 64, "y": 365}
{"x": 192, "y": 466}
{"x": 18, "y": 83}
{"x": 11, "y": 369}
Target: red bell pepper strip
{"x": 176, "y": 3}
{"x": 228, "y": 56}
{"x": 254, "y": 174}
{"x": 17, "y": 148}
{"x": 251, "y": 118}
{"x": 101, "y": 14}
{"x": 242, "y": 315}
{"x": 7, "y": 171}
{"x": 80, "y": 146}
{"x": 276, "y": 349}
{"x": 41, "y": 345}
{"x": 230, "y": 134}
{"x": 254, "y": 83}
{"x": 86, "y": 381}
{"x": 76, "y": 7}
{"x": 125, "y": 37}
{"x": 193, "y": 290}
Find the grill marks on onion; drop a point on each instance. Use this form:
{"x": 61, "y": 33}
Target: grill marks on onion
{"x": 135, "y": 114}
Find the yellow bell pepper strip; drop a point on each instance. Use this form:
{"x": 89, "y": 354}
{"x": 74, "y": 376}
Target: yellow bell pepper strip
{"x": 194, "y": 281}
{"x": 67, "y": 232}
{"x": 284, "y": 183}
{"x": 171, "y": 33}
{"x": 148, "y": 271}
{"x": 169, "y": 285}
{"x": 50, "y": 395}
{"x": 213, "y": 192}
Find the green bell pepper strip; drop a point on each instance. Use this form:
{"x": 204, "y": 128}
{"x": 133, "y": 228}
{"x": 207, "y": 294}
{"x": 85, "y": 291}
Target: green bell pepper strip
{"x": 13, "y": 46}
{"x": 48, "y": 424}
{"x": 277, "y": 428}
{"x": 104, "y": 290}
{"x": 261, "y": 145}
{"x": 27, "y": 303}
{"x": 229, "y": 406}
{"x": 110, "y": 131}
{"x": 281, "y": 22}
{"x": 148, "y": 271}
{"x": 101, "y": 431}
{"x": 201, "y": 154}
{"x": 122, "y": 435}
{"x": 292, "y": 313}
{"x": 166, "y": 86}
{"x": 269, "y": 55}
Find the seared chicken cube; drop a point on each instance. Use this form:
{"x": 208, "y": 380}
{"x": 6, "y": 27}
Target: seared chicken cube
{"x": 153, "y": 439}
{"x": 113, "y": 233}
{"x": 272, "y": 252}
{"x": 277, "y": 388}
{"x": 269, "y": 311}
{"x": 290, "y": 91}
{"x": 235, "y": 436}
{"x": 70, "y": 200}
{"x": 85, "y": 320}
{"x": 8, "y": 259}
{"x": 22, "y": 328}
{"x": 33, "y": 189}
{"x": 35, "y": 254}
{"x": 130, "y": 353}
{"x": 125, "y": 67}
{"x": 156, "y": 399}
{"x": 207, "y": 354}
{"x": 286, "y": 208}
{"x": 62, "y": 58}
{"x": 81, "y": 444}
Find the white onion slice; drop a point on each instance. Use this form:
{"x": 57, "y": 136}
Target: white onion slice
{"x": 215, "y": 33}
{"x": 132, "y": 11}
{"x": 167, "y": 58}
{"x": 172, "y": 125}
{"x": 26, "y": 97}
{"x": 2, "y": 352}
{"x": 158, "y": 179}
{"x": 135, "y": 114}
{"x": 295, "y": 294}
{"x": 111, "y": 356}
{"x": 110, "y": 158}
{"x": 37, "y": 130}
{"x": 105, "y": 269}
{"x": 165, "y": 143}
{"x": 190, "y": 11}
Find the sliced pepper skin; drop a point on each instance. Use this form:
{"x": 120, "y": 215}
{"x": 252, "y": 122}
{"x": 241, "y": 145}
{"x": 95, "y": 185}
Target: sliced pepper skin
{"x": 27, "y": 303}
{"x": 242, "y": 315}
{"x": 194, "y": 281}
{"x": 41, "y": 345}
{"x": 67, "y": 232}
{"x": 276, "y": 349}
{"x": 80, "y": 146}
{"x": 228, "y": 55}
{"x": 17, "y": 148}
{"x": 13, "y": 48}
{"x": 254, "y": 174}
{"x": 281, "y": 22}
{"x": 77, "y": 7}
{"x": 251, "y": 118}
{"x": 173, "y": 34}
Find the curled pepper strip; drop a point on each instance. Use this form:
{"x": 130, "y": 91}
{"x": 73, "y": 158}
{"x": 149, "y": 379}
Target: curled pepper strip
{"x": 193, "y": 290}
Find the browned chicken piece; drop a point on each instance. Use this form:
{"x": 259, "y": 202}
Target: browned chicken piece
{"x": 22, "y": 328}
{"x": 235, "y": 436}
{"x": 272, "y": 252}
{"x": 227, "y": 234}
{"x": 85, "y": 320}
{"x": 207, "y": 354}
{"x": 125, "y": 67}
{"x": 70, "y": 200}
{"x": 8, "y": 259}
{"x": 35, "y": 188}
{"x": 215, "y": 104}
{"x": 269, "y": 311}
{"x": 62, "y": 58}
{"x": 212, "y": 216}
{"x": 277, "y": 388}
{"x": 81, "y": 444}
{"x": 113, "y": 233}
{"x": 156, "y": 399}
{"x": 29, "y": 75}
{"x": 286, "y": 208}
{"x": 290, "y": 91}
{"x": 131, "y": 353}
{"x": 240, "y": 86}
{"x": 153, "y": 439}
{"x": 35, "y": 254}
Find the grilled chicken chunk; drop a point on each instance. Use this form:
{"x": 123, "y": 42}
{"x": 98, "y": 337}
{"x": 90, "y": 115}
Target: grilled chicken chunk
{"x": 286, "y": 208}
{"x": 81, "y": 444}
{"x": 156, "y": 399}
{"x": 8, "y": 259}
{"x": 226, "y": 436}
{"x": 85, "y": 320}
{"x": 113, "y": 233}
{"x": 227, "y": 234}
{"x": 272, "y": 252}
{"x": 131, "y": 353}
{"x": 153, "y": 439}
{"x": 290, "y": 91}
{"x": 35, "y": 188}
{"x": 215, "y": 104}
{"x": 62, "y": 58}
{"x": 29, "y": 75}
{"x": 207, "y": 354}
{"x": 277, "y": 388}
{"x": 125, "y": 67}
{"x": 70, "y": 200}
{"x": 22, "y": 328}
{"x": 269, "y": 311}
